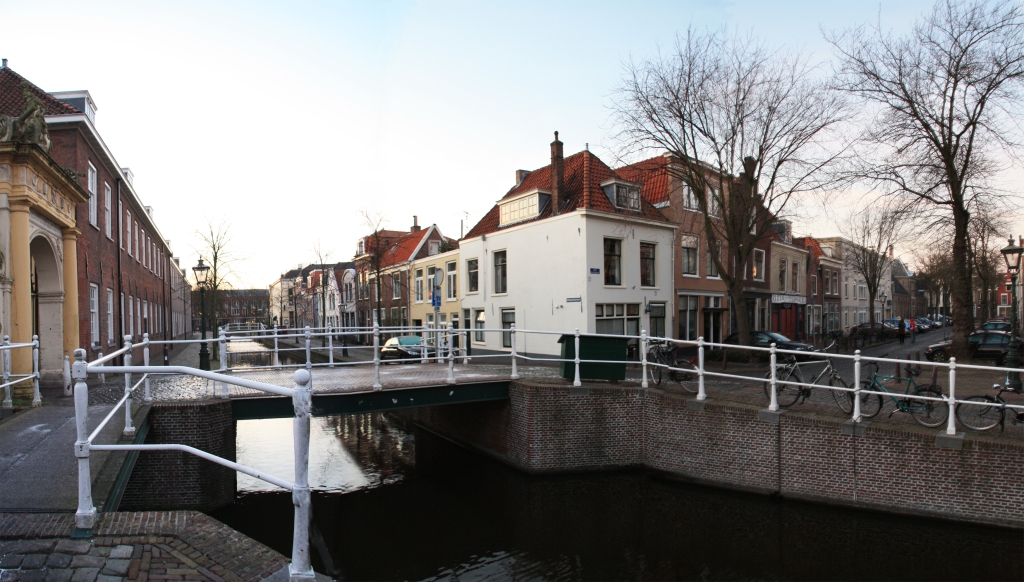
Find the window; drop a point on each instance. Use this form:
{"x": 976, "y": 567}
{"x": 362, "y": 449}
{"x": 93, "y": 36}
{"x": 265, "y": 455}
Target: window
{"x": 122, "y": 315}
{"x": 688, "y": 317}
{"x": 758, "y": 265}
{"x": 138, "y": 249}
{"x": 500, "y": 278}
{"x": 120, "y": 224}
{"x": 618, "y": 318}
{"x": 712, "y": 266}
{"x": 656, "y": 317}
{"x": 110, "y": 317}
{"x": 814, "y": 284}
{"x": 647, "y": 271}
{"x": 796, "y": 277}
{"x": 689, "y": 200}
{"x": 394, "y": 316}
{"x": 430, "y": 280}
{"x": 713, "y": 198}
{"x": 131, "y": 315}
{"x": 396, "y": 285}
{"x": 92, "y": 195}
{"x": 1002, "y": 299}
{"x": 129, "y": 233}
{"x": 433, "y": 247}
{"x": 508, "y": 319}
{"x": 782, "y": 274}
{"x": 517, "y": 209}
{"x": 94, "y": 316}
{"x": 419, "y": 285}
{"x": 612, "y": 261}
{"x": 453, "y": 288}
{"x": 835, "y": 283}
{"x": 627, "y": 197}
{"x": 106, "y": 211}
{"x": 478, "y": 325}
{"x": 234, "y": 308}
{"x": 473, "y": 275}
{"x": 846, "y": 289}
{"x": 827, "y": 280}
{"x": 145, "y": 318}
{"x": 689, "y": 254}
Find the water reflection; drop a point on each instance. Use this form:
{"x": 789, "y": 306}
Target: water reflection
{"x": 426, "y": 509}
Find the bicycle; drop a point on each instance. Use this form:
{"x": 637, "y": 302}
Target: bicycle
{"x": 984, "y": 412}
{"x": 787, "y": 395}
{"x": 664, "y": 355}
{"x": 930, "y": 413}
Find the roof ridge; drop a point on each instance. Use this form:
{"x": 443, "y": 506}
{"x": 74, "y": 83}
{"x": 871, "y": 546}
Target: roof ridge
{"x": 12, "y": 98}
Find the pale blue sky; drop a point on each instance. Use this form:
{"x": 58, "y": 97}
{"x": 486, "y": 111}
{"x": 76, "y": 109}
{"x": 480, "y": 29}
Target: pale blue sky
{"x": 289, "y": 118}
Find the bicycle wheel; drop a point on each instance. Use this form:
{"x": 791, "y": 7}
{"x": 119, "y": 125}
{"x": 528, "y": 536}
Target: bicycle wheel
{"x": 975, "y": 414}
{"x": 653, "y": 369}
{"x": 930, "y": 413}
{"x": 786, "y": 395}
{"x": 870, "y": 404}
{"x": 843, "y": 399}
{"x": 686, "y": 376}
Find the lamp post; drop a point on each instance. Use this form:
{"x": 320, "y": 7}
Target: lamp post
{"x": 1012, "y": 255}
{"x": 201, "y": 271}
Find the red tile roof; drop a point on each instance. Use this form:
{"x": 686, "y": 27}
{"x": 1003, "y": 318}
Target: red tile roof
{"x": 401, "y": 250}
{"x": 583, "y": 174}
{"x": 653, "y": 174}
{"x": 12, "y": 96}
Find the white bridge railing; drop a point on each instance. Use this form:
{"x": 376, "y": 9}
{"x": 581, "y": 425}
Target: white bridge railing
{"x": 10, "y": 379}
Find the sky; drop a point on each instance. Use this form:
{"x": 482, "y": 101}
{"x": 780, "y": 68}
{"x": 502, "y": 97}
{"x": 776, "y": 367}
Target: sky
{"x": 288, "y": 121}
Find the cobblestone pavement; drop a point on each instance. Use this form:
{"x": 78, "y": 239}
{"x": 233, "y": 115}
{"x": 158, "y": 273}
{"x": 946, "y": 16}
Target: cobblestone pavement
{"x": 139, "y": 546}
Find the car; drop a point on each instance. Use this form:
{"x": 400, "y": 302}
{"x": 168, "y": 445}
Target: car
{"x": 922, "y": 323}
{"x": 879, "y": 329}
{"x": 985, "y": 345}
{"x": 931, "y": 323}
{"x": 996, "y": 325}
{"x": 764, "y": 339}
{"x": 404, "y": 348}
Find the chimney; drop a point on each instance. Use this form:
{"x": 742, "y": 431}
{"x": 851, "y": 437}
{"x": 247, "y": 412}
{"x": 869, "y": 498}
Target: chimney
{"x": 520, "y": 176}
{"x": 4, "y": 65}
{"x": 890, "y": 252}
{"x": 415, "y": 225}
{"x": 557, "y": 176}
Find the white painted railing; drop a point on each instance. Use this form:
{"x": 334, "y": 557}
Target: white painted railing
{"x": 5, "y": 365}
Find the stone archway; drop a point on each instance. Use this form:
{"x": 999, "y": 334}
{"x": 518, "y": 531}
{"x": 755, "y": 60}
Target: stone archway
{"x": 47, "y": 306}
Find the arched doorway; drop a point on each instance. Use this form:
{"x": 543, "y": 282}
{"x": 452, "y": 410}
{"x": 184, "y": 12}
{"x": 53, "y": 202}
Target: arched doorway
{"x": 47, "y": 305}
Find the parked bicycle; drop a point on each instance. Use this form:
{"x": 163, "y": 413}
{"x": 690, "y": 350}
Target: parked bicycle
{"x": 667, "y": 366}
{"x": 787, "y": 395}
{"x": 985, "y": 412}
{"x": 930, "y": 413}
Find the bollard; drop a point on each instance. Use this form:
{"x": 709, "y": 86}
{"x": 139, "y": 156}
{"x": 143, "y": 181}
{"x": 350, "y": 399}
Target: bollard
{"x": 277, "y": 359}
{"x": 148, "y": 398}
{"x": 899, "y": 372}
{"x": 301, "y": 567}
{"x": 37, "y": 400}
{"x": 67, "y": 377}
{"x": 423, "y": 344}
{"x": 167, "y": 356}
{"x": 576, "y": 359}
{"x": 85, "y": 517}
{"x": 515, "y": 371}
{"x": 222, "y": 342}
{"x": 330, "y": 348}
{"x": 856, "y": 386}
{"x": 376, "y": 355}
{"x": 451, "y": 356}
{"x": 8, "y": 403}
{"x": 643, "y": 358}
{"x": 129, "y": 430}
{"x": 917, "y": 356}
{"x": 773, "y": 405}
{"x": 951, "y": 424}
{"x": 103, "y": 377}
{"x": 701, "y": 395}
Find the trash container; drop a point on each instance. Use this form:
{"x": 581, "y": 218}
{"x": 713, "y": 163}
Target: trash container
{"x": 611, "y": 349}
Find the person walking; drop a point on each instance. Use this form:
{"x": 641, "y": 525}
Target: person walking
{"x": 901, "y": 329}
{"x": 913, "y": 330}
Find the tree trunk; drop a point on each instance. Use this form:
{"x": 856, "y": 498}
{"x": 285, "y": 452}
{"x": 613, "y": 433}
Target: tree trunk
{"x": 739, "y": 307}
{"x": 960, "y": 286}
{"x": 871, "y": 308}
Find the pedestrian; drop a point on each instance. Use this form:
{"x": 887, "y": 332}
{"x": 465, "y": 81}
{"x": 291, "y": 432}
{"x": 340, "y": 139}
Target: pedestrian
{"x": 901, "y": 329}
{"x": 913, "y": 330}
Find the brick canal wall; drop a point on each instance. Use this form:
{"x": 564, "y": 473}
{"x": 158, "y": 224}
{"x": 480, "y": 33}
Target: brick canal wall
{"x": 176, "y": 480}
{"x": 896, "y": 468}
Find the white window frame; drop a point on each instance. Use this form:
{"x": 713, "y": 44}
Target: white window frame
{"x": 695, "y": 240}
{"x": 94, "y": 315}
{"x": 469, "y": 275}
{"x": 418, "y": 297}
{"x": 110, "y": 316}
{"x": 129, "y": 214}
{"x": 452, "y": 280}
{"x": 93, "y": 185}
{"x": 107, "y": 195}
{"x": 396, "y": 285}
{"x": 759, "y": 274}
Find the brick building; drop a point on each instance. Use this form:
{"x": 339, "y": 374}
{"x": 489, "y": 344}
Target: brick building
{"x": 823, "y": 299}
{"x": 235, "y": 307}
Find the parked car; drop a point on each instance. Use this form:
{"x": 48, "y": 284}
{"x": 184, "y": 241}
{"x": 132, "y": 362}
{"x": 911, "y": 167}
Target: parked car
{"x": 931, "y": 323}
{"x": 922, "y": 324}
{"x": 405, "y": 347}
{"x": 880, "y": 329}
{"x": 996, "y": 325}
{"x": 985, "y": 345}
{"x": 764, "y": 339}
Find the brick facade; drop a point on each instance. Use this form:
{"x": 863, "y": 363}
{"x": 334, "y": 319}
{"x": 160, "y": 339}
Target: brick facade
{"x": 544, "y": 429}
{"x": 176, "y": 480}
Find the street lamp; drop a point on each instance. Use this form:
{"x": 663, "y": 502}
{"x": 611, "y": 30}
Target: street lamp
{"x": 201, "y": 271}
{"x": 1012, "y": 255}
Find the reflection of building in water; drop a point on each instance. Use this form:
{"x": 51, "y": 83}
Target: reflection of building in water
{"x": 384, "y": 450}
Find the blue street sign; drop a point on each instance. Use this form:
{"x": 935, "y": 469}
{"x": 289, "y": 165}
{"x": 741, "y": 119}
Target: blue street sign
{"x": 435, "y": 301}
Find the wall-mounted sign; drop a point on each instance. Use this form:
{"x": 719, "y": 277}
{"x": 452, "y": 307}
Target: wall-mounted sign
{"x": 797, "y": 299}
{"x": 594, "y": 271}
{"x": 573, "y": 299}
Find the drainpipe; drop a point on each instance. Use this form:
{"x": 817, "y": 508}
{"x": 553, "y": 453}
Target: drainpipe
{"x": 120, "y": 272}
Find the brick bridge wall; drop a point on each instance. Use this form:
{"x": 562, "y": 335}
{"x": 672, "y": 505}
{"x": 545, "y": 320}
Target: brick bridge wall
{"x": 176, "y": 480}
{"x": 896, "y": 468}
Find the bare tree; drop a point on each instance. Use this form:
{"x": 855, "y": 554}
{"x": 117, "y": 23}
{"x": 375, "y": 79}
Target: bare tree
{"x": 935, "y": 275}
{"x": 218, "y": 253}
{"x": 873, "y": 230}
{"x": 743, "y": 123}
{"x": 376, "y": 244}
{"x": 985, "y": 259}
{"x": 943, "y": 103}
{"x": 326, "y": 271}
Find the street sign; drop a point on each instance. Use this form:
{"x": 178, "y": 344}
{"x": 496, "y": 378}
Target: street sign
{"x": 435, "y": 301}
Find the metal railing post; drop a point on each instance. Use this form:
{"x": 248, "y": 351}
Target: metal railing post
{"x": 85, "y": 517}
{"x": 277, "y": 358}
{"x": 148, "y": 398}
{"x": 512, "y": 334}
{"x": 856, "y": 386}
{"x": 301, "y": 568}
{"x": 701, "y": 394}
{"x": 308, "y": 336}
{"x": 465, "y": 348}
{"x": 576, "y": 358}
{"x": 330, "y": 347}
{"x": 951, "y": 424}
{"x": 774, "y": 404}
{"x": 451, "y": 356}
{"x": 103, "y": 377}
{"x": 8, "y": 403}
{"x": 128, "y": 428}
{"x": 37, "y": 400}
{"x": 643, "y": 358}
{"x": 222, "y": 342}
{"x": 423, "y": 347}
{"x": 376, "y": 355}
{"x": 67, "y": 377}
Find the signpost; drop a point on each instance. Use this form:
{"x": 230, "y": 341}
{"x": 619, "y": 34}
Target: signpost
{"x": 435, "y": 301}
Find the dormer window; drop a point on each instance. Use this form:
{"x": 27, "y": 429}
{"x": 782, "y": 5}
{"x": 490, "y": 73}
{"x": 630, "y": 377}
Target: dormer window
{"x": 522, "y": 207}
{"x": 623, "y": 194}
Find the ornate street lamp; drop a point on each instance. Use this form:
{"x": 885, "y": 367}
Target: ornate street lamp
{"x": 201, "y": 271}
{"x": 1012, "y": 255}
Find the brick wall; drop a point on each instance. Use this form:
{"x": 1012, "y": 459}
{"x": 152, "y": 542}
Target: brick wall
{"x": 175, "y": 480}
{"x": 895, "y": 468}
